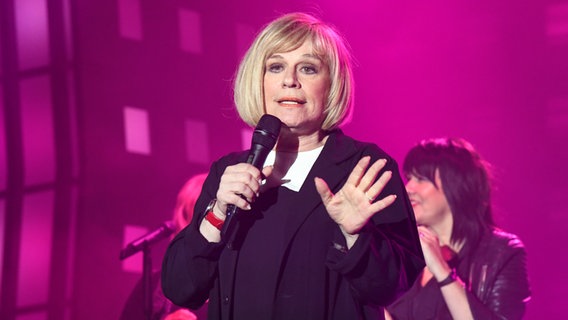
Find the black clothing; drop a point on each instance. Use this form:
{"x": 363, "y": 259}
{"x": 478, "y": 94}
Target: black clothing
{"x": 495, "y": 278}
{"x": 285, "y": 248}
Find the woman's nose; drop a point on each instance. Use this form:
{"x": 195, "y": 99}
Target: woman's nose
{"x": 409, "y": 186}
{"x": 290, "y": 80}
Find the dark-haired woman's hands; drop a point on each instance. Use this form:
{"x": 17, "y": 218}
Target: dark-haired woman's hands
{"x": 433, "y": 255}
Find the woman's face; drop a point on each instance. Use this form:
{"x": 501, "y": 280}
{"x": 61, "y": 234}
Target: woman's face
{"x": 429, "y": 203}
{"x": 296, "y": 84}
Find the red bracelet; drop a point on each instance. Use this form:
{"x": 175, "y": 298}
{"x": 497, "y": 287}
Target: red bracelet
{"x": 211, "y": 217}
{"x": 216, "y": 222}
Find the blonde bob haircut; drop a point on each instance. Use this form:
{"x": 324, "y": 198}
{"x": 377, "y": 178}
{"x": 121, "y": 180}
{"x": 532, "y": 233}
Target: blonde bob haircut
{"x": 285, "y": 34}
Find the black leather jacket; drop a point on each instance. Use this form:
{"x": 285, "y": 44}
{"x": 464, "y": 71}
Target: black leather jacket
{"x": 495, "y": 278}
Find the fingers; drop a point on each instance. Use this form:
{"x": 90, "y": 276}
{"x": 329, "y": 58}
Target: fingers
{"x": 239, "y": 186}
{"x": 379, "y": 185}
{"x": 237, "y": 200}
{"x": 383, "y": 203}
{"x": 358, "y": 171}
{"x": 323, "y": 190}
{"x": 421, "y": 232}
{"x": 376, "y": 207}
{"x": 371, "y": 175}
{"x": 426, "y": 234}
{"x": 366, "y": 179}
{"x": 267, "y": 171}
{"x": 428, "y": 239}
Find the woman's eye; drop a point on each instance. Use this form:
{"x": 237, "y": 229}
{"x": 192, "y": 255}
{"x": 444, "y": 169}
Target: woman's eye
{"x": 275, "y": 67}
{"x": 412, "y": 178}
{"x": 415, "y": 178}
{"x": 309, "y": 69}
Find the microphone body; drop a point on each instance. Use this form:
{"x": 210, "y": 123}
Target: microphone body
{"x": 263, "y": 140}
{"x": 162, "y": 232}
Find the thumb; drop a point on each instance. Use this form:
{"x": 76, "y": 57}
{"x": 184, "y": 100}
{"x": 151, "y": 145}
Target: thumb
{"x": 267, "y": 171}
{"x": 323, "y": 190}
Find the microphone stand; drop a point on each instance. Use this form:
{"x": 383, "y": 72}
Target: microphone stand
{"x": 144, "y": 244}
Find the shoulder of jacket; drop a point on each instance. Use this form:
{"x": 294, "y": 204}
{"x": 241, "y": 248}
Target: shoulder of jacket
{"x": 506, "y": 238}
{"x": 350, "y": 145}
{"x": 498, "y": 245}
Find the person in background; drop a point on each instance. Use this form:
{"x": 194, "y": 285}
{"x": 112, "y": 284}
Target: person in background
{"x": 474, "y": 270}
{"x": 326, "y": 230}
{"x": 163, "y": 309}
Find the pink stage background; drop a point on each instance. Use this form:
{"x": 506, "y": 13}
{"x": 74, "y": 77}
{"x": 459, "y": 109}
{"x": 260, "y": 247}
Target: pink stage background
{"x": 107, "y": 107}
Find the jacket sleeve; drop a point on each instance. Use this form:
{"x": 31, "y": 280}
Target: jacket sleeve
{"x": 189, "y": 267}
{"x": 387, "y": 257}
{"x": 506, "y": 290}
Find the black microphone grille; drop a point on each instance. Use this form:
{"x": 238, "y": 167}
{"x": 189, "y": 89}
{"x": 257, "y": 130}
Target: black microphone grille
{"x": 267, "y": 131}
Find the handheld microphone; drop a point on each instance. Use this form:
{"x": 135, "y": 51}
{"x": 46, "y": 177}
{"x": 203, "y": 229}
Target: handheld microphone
{"x": 263, "y": 140}
{"x": 164, "y": 231}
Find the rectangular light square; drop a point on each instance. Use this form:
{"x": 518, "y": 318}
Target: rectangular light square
{"x": 136, "y": 130}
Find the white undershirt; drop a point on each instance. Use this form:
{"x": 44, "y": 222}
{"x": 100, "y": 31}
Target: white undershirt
{"x": 297, "y": 173}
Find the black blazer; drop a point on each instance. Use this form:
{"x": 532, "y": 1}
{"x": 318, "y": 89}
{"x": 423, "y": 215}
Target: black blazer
{"x": 380, "y": 266}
